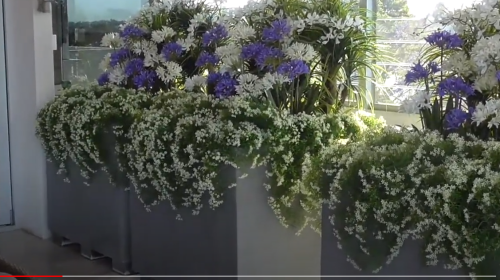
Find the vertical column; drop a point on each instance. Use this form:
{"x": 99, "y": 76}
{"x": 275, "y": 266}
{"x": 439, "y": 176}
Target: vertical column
{"x": 5, "y": 185}
{"x": 30, "y": 85}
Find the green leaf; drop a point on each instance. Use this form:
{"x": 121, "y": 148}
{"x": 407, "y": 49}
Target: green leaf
{"x": 436, "y": 115}
{"x": 450, "y": 104}
{"x": 427, "y": 118}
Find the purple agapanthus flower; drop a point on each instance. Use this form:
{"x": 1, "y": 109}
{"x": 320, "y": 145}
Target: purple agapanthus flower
{"x": 118, "y": 56}
{"x": 103, "y": 79}
{"x": 134, "y": 66}
{"x": 260, "y": 53}
{"x": 224, "y": 84}
{"x": 213, "y": 78}
{"x": 293, "y": 69}
{"x": 433, "y": 67}
{"x": 206, "y": 58}
{"x": 131, "y": 31}
{"x": 455, "y": 118}
{"x": 214, "y": 35}
{"x": 444, "y": 39}
{"x": 145, "y": 78}
{"x": 498, "y": 75}
{"x": 454, "y": 86}
{"x": 171, "y": 50}
{"x": 278, "y": 30}
{"x": 419, "y": 72}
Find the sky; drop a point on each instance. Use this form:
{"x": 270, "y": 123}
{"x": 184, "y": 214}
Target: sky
{"x": 92, "y": 10}
{"x": 420, "y": 8}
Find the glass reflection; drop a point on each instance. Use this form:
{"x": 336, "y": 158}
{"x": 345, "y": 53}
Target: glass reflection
{"x": 401, "y": 25}
{"x": 80, "y": 25}
{"x": 86, "y": 22}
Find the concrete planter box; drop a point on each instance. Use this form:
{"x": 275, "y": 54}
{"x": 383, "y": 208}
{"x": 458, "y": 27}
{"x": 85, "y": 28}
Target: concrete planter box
{"x": 241, "y": 237}
{"x": 96, "y": 216}
{"x": 408, "y": 262}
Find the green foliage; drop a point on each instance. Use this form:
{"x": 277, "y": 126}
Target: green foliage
{"x": 78, "y": 124}
{"x": 183, "y": 147}
{"x": 393, "y": 9}
{"x": 343, "y": 63}
{"x": 180, "y": 147}
{"x": 397, "y": 186}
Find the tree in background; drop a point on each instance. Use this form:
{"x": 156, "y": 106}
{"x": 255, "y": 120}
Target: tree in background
{"x": 393, "y": 8}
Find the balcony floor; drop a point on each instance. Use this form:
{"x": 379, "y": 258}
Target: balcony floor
{"x": 43, "y": 257}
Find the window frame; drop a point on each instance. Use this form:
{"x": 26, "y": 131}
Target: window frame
{"x": 60, "y": 28}
{"x": 371, "y": 6}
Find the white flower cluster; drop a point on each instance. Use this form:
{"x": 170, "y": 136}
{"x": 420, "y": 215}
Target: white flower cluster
{"x": 478, "y": 60}
{"x": 73, "y": 126}
{"x": 242, "y": 33}
{"x": 402, "y": 185}
{"x": 477, "y": 22}
{"x": 173, "y": 145}
{"x": 178, "y": 147}
{"x": 421, "y": 100}
{"x": 488, "y": 112}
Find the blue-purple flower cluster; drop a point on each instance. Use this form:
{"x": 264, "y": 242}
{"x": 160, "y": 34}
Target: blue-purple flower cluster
{"x": 455, "y": 86}
{"x": 133, "y": 64}
{"x": 131, "y": 32}
{"x": 119, "y": 56}
{"x": 171, "y": 51}
{"x": 419, "y": 72}
{"x": 214, "y": 35}
{"x": 456, "y": 118}
{"x": 207, "y": 58}
{"x": 444, "y": 40}
{"x": 278, "y": 30}
{"x": 293, "y": 69}
{"x": 224, "y": 84}
{"x": 134, "y": 69}
{"x": 262, "y": 53}
{"x": 145, "y": 78}
{"x": 103, "y": 79}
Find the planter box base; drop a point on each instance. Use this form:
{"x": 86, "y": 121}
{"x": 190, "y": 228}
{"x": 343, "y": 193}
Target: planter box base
{"x": 407, "y": 263}
{"x": 241, "y": 237}
{"x": 96, "y": 217}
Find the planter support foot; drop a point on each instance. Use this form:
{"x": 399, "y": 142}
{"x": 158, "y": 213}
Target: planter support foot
{"x": 122, "y": 268}
{"x": 62, "y": 241}
{"x": 91, "y": 255}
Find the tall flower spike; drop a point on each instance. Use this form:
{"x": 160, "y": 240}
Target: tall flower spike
{"x": 455, "y": 86}
{"x": 278, "y": 30}
{"x": 420, "y": 72}
{"x": 455, "y": 118}
{"x": 214, "y": 35}
{"x": 445, "y": 40}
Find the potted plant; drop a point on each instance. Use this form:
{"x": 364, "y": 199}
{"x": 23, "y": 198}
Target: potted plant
{"x": 82, "y": 132}
{"x": 239, "y": 132}
{"x": 403, "y": 202}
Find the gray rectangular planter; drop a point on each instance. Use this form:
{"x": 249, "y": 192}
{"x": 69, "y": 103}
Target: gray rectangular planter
{"x": 241, "y": 237}
{"x": 96, "y": 216}
{"x": 408, "y": 262}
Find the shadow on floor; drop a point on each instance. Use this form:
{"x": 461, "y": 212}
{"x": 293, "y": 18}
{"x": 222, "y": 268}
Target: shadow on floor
{"x": 44, "y": 257}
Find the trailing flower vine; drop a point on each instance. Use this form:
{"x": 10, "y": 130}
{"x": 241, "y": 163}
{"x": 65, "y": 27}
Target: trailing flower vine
{"x": 397, "y": 186}
{"x": 184, "y": 141}
{"x": 88, "y": 125}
